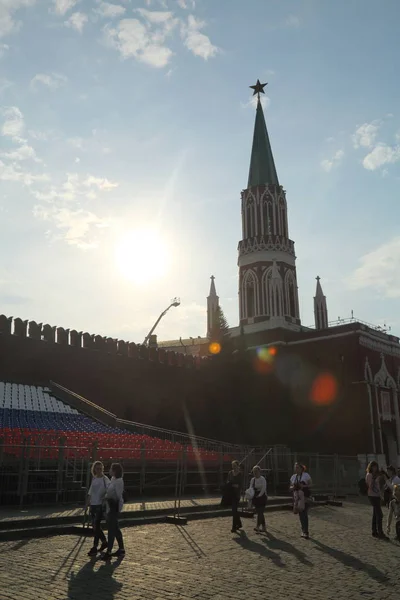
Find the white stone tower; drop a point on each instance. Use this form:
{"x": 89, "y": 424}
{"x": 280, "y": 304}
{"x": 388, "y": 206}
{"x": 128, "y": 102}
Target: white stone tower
{"x": 268, "y": 295}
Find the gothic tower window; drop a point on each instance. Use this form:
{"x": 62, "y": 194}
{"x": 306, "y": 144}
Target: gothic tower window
{"x": 249, "y": 295}
{"x": 250, "y": 299}
{"x": 290, "y": 295}
{"x": 283, "y": 219}
{"x": 250, "y": 219}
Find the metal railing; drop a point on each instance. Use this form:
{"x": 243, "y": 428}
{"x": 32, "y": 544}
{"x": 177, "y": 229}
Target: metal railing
{"x": 32, "y": 473}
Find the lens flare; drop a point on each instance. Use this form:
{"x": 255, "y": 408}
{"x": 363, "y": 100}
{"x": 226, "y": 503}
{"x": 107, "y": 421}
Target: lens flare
{"x": 214, "y": 348}
{"x": 264, "y": 361}
{"x": 324, "y": 389}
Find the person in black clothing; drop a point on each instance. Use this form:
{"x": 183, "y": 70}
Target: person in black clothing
{"x": 235, "y": 481}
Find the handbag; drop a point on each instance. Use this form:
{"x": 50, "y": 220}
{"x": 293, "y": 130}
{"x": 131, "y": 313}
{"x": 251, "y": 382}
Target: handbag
{"x": 249, "y": 493}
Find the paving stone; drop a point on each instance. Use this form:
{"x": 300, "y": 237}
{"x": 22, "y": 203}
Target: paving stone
{"x": 205, "y": 561}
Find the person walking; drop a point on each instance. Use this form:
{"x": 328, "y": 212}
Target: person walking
{"x": 235, "y": 481}
{"x": 394, "y": 511}
{"x": 115, "y": 502}
{"x": 259, "y": 484}
{"x": 392, "y": 479}
{"x": 95, "y": 500}
{"x": 372, "y": 480}
{"x": 301, "y": 481}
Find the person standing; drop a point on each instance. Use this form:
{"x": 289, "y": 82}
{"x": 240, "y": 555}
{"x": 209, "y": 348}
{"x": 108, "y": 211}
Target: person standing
{"x": 259, "y": 484}
{"x": 235, "y": 481}
{"x": 115, "y": 502}
{"x": 95, "y": 500}
{"x": 394, "y": 511}
{"x": 372, "y": 480}
{"x": 392, "y": 479}
{"x": 301, "y": 481}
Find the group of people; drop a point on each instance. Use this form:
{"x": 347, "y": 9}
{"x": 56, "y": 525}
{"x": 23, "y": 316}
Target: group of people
{"x": 383, "y": 487}
{"x": 106, "y": 499}
{"x": 256, "y": 494}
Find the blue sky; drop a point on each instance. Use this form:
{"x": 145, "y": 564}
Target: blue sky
{"x": 126, "y": 136}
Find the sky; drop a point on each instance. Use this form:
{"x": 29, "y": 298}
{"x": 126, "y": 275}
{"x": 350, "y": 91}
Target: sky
{"x": 126, "y": 131}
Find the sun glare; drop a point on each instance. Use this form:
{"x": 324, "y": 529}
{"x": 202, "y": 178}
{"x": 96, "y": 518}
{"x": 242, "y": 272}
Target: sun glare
{"x": 142, "y": 256}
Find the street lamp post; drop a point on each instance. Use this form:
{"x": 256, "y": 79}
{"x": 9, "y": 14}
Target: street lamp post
{"x": 174, "y": 302}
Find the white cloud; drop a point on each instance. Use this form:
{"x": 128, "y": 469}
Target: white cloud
{"x": 154, "y": 16}
{"x": 23, "y": 152}
{"x": 52, "y": 81}
{"x": 3, "y": 49}
{"x": 186, "y": 4}
{"x": 13, "y": 125}
{"x": 381, "y": 155}
{"x": 8, "y": 8}
{"x": 41, "y": 136}
{"x": 195, "y": 41}
{"x": 293, "y": 21}
{"x": 329, "y": 164}
{"x": 134, "y": 40}
{"x": 77, "y": 226}
{"x": 365, "y": 134}
{"x": 77, "y": 21}
{"x": 61, "y": 7}
{"x": 15, "y": 174}
{"x": 62, "y": 206}
{"x": 379, "y": 270}
{"x": 110, "y": 11}
{"x": 99, "y": 182}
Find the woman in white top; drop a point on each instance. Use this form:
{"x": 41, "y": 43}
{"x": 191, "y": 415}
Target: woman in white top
{"x": 301, "y": 480}
{"x": 95, "y": 500}
{"x": 115, "y": 502}
{"x": 259, "y": 484}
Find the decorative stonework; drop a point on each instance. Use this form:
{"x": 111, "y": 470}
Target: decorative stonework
{"x": 378, "y": 346}
{"x": 270, "y": 243}
{"x": 383, "y": 377}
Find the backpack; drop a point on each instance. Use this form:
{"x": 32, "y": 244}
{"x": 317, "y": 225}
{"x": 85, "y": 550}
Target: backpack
{"x": 363, "y": 487}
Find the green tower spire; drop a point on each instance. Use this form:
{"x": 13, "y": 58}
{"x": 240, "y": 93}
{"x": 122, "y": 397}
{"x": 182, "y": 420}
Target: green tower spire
{"x": 262, "y": 167}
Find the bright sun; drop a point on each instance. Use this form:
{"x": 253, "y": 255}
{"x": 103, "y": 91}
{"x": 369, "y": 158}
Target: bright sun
{"x": 142, "y": 256}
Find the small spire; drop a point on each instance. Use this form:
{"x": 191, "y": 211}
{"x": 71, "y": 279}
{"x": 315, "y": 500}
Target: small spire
{"x": 319, "y": 293}
{"x": 212, "y": 306}
{"x": 262, "y": 166}
{"x": 213, "y": 292}
{"x": 320, "y": 307}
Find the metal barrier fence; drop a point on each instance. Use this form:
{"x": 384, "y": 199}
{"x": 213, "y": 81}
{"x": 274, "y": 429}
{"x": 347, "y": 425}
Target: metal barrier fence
{"x": 33, "y": 473}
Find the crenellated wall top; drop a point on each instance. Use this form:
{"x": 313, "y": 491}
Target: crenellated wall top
{"x": 59, "y": 336}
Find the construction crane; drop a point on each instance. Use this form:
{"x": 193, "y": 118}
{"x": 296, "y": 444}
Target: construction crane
{"x": 174, "y": 302}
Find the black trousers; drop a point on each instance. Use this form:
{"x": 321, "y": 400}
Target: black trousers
{"x": 114, "y": 531}
{"x": 236, "y": 521}
{"x": 303, "y": 516}
{"x": 260, "y": 516}
{"x": 96, "y": 512}
{"x": 377, "y": 514}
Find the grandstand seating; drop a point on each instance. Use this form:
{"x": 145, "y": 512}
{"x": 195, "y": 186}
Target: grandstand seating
{"x": 33, "y": 416}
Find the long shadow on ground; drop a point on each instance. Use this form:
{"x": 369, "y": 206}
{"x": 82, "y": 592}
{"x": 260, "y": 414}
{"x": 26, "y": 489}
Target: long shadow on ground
{"x": 277, "y": 544}
{"x": 260, "y": 549}
{"x": 88, "y": 583}
{"x": 351, "y": 561}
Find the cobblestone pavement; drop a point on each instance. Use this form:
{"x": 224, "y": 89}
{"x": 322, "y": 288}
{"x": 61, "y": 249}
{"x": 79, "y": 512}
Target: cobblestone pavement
{"x": 204, "y": 560}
